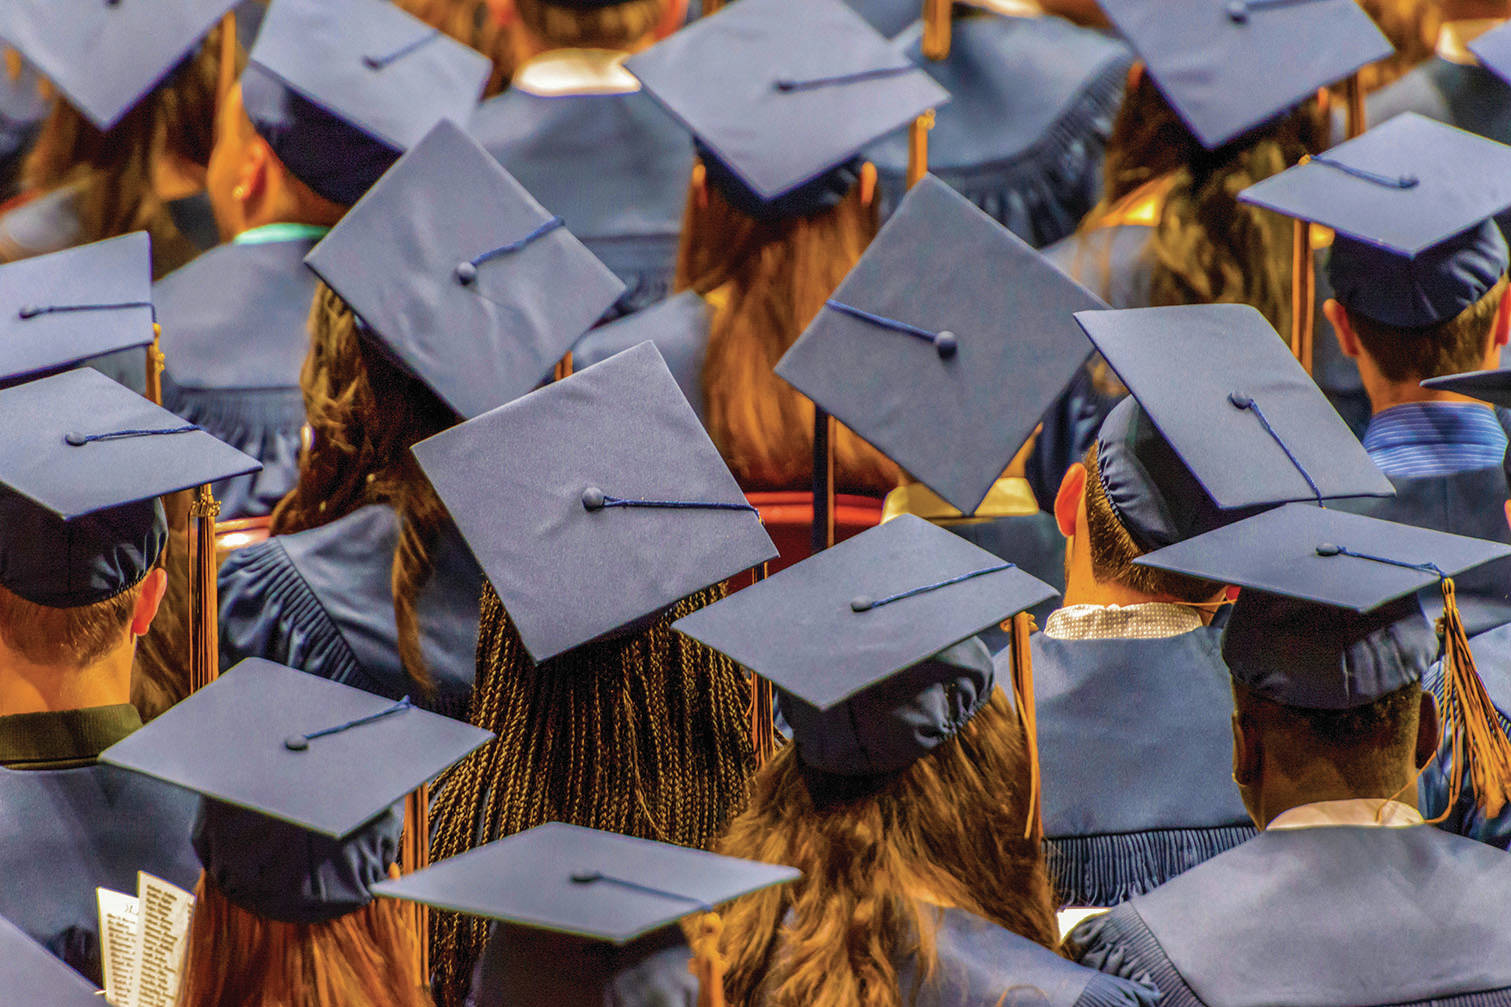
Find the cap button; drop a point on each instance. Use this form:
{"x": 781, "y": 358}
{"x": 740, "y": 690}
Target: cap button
{"x": 30, "y": 311}
{"x": 466, "y": 273}
{"x": 1328, "y": 549}
{"x": 1238, "y": 12}
{"x": 1240, "y": 400}
{"x": 586, "y": 877}
{"x": 946, "y": 344}
{"x": 76, "y": 439}
{"x": 862, "y": 603}
{"x": 296, "y": 743}
{"x": 592, "y": 498}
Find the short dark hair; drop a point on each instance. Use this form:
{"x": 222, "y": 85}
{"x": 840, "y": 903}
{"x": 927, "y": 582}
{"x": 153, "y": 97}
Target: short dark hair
{"x": 1432, "y": 351}
{"x": 1113, "y": 549}
{"x": 615, "y": 27}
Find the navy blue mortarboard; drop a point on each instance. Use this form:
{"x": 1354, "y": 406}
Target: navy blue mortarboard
{"x": 1493, "y": 49}
{"x": 1223, "y": 420}
{"x": 30, "y": 974}
{"x": 782, "y": 96}
{"x": 945, "y": 344}
{"x": 82, "y": 464}
{"x": 340, "y": 88}
{"x": 106, "y": 56}
{"x": 678, "y": 325}
{"x": 1411, "y": 201}
{"x": 875, "y": 661}
{"x": 1227, "y": 66}
{"x": 575, "y": 881}
{"x": 1328, "y": 618}
{"x": 60, "y": 309}
{"x": 1493, "y": 387}
{"x": 461, "y": 277}
{"x": 595, "y": 502}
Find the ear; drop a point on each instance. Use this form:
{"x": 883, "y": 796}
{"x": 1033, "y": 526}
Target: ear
{"x": 674, "y": 18}
{"x": 1429, "y": 730}
{"x": 867, "y": 183}
{"x": 1508, "y": 513}
{"x": 1068, "y": 500}
{"x": 1248, "y": 752}
{"x": 1502, "y": 329}
{"x": 153, "y": 588}
{"x": 254, "y": 174}
{"x": 1348, "y": 339}
{"x": 699, "y": 184}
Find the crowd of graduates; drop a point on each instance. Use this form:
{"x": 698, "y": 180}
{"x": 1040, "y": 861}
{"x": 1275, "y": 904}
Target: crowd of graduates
{"x": 777, "y": 503}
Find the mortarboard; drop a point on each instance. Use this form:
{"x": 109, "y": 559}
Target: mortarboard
{"x": 594, "y": 502}
{"x": 1227, "y": 66}
{"x": 1329, "y": 620}
{"x": 1238, "y": 414}
{"x": 60, "y": 309}
{"x": 1493, "y": 49}
{"x": 576, "y": 881}
{"x": 82, "y": 464}
{"x": 30, "y": 974}
{"x": 678, "y": 325}
{"x": 461, "y": 277}
{"x": 781, "y": 94}
{"x": 1411, "y": 201}
{"x": 948, "y": 375}
{"x": 296, "y": 748}
{"x": 876, "y": 661}
{"x": 340, "y": 88}
{"x": 1493, "y": 387}
{"x": 106, "y": 56}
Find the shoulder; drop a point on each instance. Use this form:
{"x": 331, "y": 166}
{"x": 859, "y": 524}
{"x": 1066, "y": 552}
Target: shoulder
{"x": 1119, "y": 943}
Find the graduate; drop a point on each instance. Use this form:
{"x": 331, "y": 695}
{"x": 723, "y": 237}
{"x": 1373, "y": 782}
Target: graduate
{"x": 1346, "y": 897}
{"x": 427, "y": 312}
{"x": 1032, "y": 98}
{"x": 578, "y": 131}
{"x": 905, "y": 797}
{"x": 1132, "y": 691}
{"x": 484, "y": 25}
{"x": 1418, "y": 274}
{"x": 81, "y": 540}
{"x": 308, "y": 129}
{"x": 600, "y": 512}
{"x": 301, "y": 813}
{"x": 782, "y": 98}
{"x": 584, "y": 918}
{"x": 126, "y": 142}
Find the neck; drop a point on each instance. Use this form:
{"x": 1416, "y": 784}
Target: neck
{"x": 1388, "y": 396}
{"x": 26, "y": 687}
{"x": 1272, "y": 802}
{"x": 1467, "y": 10}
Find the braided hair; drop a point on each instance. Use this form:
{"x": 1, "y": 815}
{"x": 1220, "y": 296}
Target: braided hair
{"x": 646, "y": 735}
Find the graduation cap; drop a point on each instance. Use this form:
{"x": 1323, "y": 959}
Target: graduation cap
{"x": 461, "y": 277}
{"x": 1329, "y": 619}
{"x": 1493, "y": 49}
{"x": 595, "y": 502}
{"x": 575, "y": 881}
{"x": 60, "y": 309}
{"x": 30, "y": 974}
{"x": 950, "y": 376}
{"x": 779, "y": 95}
{"x": 340, "y": 88}
{"x": 105, "y": 57}
{"x": 1493, "y": 387}
{"x": 1227, "y": 66}
{"x": 1411, "y": 201}
{"x": 1229, "y": 406}
{"x": 82, "y": 464}
{"x": 875, "y": 659}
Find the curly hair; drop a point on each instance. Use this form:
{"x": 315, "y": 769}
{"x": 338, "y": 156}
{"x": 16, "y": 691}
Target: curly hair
{"x": 768, "y": 281}
{"x": 645, "y": 734}
{"x": 950, "y": 825}
{"x": 365, "y": 413}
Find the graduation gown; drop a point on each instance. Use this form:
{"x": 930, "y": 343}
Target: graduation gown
{"x": 50, "y": 223}
{"x": 615, "y": 167}
{"x": 1137, "y": 757}
{"x": 1341, "y": 915}
{"x": 321, "y": 601}
{"x": 234, "y": 338}
{"x": 1032, "y": 103}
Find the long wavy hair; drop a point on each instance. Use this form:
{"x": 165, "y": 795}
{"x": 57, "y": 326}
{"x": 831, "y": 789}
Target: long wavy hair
{"x": 767, "y": 282}
{"x": 645, "y": 734}
{"x": 947, "y": 830}
{"x": 1206, "y": 247}
{"x": 114, "y": 169}
{"x": 365, "y": 413}
{"x": 234, "y": 958}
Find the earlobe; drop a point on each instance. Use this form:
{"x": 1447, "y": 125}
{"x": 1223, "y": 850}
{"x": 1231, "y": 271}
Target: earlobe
{"x": 154, "y": 587}
{"x": 1068, "y": 500}
{"x": 1247, "y": 754}
{"x": 1348, "y": 340}
{"x": 1503, "y": 321}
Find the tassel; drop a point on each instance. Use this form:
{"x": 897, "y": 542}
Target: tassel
{"x": 1478, "y": 746}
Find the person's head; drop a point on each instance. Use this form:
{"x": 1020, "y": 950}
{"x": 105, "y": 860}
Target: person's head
{"x": 877, "y": 855}
{"x": 479, "y": 24}
{"x": 80, "y": 636}
{"x": 365, "y": 413}
{"x": 1412, "y": 28}
{"x": 644, "y": 733}
{"x": 626, "y": 26}
{"x": 249, "y": 186}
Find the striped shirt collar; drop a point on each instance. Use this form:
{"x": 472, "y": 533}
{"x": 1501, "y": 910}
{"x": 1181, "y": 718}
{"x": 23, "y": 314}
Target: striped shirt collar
{"x": 1435, "y": 439}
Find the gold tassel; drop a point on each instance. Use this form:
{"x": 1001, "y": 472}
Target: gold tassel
{"x": 1479, "y": 748}
{"x": 708, "y": 962}
{"x": 1022, "y": 627}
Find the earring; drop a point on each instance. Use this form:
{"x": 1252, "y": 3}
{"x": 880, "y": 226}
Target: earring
{"x": 240, "y": 192}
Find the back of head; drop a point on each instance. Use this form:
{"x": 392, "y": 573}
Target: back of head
{"x": 472, "y": 23}
{"x": 590, "y": 26}
{"x": 1412, "y": 27}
